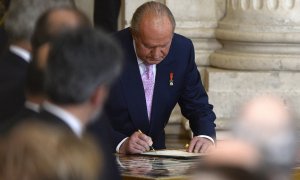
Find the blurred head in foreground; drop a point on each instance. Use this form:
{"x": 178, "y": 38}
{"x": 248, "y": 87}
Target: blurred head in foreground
{"x": 22, "y": 15}
{"x": 263, "y": 144}
{"x": 82, "y": 65}
{"x": 266, "y": 123}
{"x": 38, "y": 151}
{"x": 49, "y": 25}
{"x": 226, "y": 172}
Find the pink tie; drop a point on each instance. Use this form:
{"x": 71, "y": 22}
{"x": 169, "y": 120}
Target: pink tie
{"x": 148, "y": 82}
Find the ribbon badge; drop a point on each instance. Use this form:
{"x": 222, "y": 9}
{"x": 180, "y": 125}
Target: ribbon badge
{"x": 171, "y": 79}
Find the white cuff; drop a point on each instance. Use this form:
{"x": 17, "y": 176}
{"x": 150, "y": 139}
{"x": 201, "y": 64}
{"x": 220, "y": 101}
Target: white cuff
{"x": 119, "y": 145}
{"x": 207, "y": 137}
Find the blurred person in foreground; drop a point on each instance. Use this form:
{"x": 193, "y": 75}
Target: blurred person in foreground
{"x": 80, "y": 68}
{"x": 20, "y": 22}
{"x": 36, "y": 150}
{"x": 267, "y": 123}
{"x": 159, "y": 72}
{"x": 226, "y": 172}
{"x": 49, "y": 25}
{"x": 263, "y": 140}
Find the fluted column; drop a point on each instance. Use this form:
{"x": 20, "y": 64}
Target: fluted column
{"x": 259, "y": 35}
{"x": 260, "y": 54}
{"x": 198, "y": 19}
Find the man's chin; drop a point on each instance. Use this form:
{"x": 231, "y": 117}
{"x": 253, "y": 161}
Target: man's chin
{"x": 154, "y": 61}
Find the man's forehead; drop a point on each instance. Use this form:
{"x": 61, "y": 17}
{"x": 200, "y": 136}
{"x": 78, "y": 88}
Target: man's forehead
{"x": 155, "y": 30}
{"x": 153, "y": 22}
{"x": 63, "y": 17}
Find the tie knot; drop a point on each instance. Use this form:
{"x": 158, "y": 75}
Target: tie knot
{"x": 149, "y": 67}
{"x": 149, "y": 70}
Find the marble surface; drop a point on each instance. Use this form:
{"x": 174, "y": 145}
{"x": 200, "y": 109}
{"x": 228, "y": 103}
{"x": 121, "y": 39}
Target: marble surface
{"x": 148, "y": 167}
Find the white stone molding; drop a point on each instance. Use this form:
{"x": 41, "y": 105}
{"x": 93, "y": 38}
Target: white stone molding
{"x": 259, "y": 35}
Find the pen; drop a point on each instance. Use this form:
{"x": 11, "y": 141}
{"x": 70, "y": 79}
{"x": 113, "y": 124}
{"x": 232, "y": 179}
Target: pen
{"x": 151, "y": 147}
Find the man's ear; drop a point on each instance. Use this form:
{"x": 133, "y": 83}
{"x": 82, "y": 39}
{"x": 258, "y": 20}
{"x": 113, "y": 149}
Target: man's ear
{"x": 99, "y": 96}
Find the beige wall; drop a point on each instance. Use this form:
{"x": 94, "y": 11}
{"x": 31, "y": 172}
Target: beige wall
{"x": 86, "y": 6}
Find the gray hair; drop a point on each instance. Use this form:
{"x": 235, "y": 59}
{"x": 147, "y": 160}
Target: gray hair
{"x": 22, "y": 16}
{"x": 81, "y": 61}
{"x": 157, "y": 8}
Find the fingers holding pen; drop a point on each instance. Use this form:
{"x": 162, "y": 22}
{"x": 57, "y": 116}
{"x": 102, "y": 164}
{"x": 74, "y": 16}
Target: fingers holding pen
{"x": 145, "y": 138}
{"x": 137, "y": 143}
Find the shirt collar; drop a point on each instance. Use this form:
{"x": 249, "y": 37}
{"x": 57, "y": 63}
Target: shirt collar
{"x": 142, "y": 66}
{"x": 32, "y": 106}
{"x": 23, "y": 53}
{"x": 72, "y": 121}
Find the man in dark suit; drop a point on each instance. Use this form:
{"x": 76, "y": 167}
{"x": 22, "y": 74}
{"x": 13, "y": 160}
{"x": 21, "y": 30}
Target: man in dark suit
{"x": 82, "y": 64}
{"x": 106, "y": 13}
{"x": 19, "y": 25}
{"x": 50, "y": 24}
{"x": 159, "y": 72}
{"x": 33, "y": 89}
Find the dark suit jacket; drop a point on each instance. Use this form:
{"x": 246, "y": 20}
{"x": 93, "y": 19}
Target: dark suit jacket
{"x": 110, "y": 170}
{"x": 126, "y": 106}
{"x": 13, "y": 71}
{"x": 24, "y": 114}
{"x": 106, "y": 14}
{"x": 3, "y": 39}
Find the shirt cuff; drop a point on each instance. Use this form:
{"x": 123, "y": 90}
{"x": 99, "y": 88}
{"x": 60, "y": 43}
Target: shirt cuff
{"x": 119, "y": 145}
{"x": 207, "y": 137}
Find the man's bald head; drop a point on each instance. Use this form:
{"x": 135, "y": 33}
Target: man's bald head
{"x": 157, "y": 11}
{"x": 57, "y": 20}
{"x": 50, "y": 25}
{"x": 267, "y": 123}
{"x": 269, "y": 113}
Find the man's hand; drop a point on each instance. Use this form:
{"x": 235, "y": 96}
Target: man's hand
{"x": 200, "y": 145}
{"x": 137, "y": 143}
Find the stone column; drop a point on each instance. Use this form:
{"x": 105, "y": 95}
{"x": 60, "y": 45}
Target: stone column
{"x": 197, "y": 20}
{"x": 260, "y": 54}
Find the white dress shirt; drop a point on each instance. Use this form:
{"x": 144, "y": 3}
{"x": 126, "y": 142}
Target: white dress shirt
{"x": 32, "y": 106}
{"x": 24, "y": 54}
{"x": 72, "y": 121}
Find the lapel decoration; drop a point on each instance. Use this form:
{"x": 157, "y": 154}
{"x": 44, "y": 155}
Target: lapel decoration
{"x": 171, "y": 79}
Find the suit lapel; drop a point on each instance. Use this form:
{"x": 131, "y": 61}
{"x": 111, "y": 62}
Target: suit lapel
{"x": 134, "y": 92}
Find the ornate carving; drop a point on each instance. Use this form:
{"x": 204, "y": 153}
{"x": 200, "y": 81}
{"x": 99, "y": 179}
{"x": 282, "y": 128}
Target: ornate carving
{"x": 271, "y": 25}
{"x": 289, "y": 4}
{"x": 260, "y": 4}
{"x": 273, "y": 4}
{"x": 245, "y": 4}
{"x": 233, "y": 4}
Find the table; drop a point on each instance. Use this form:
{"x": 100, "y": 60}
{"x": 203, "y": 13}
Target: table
{"x": 139, "y": 167}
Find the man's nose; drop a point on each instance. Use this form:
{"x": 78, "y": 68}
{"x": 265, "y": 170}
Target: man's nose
{"x": 156, "y": 52}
